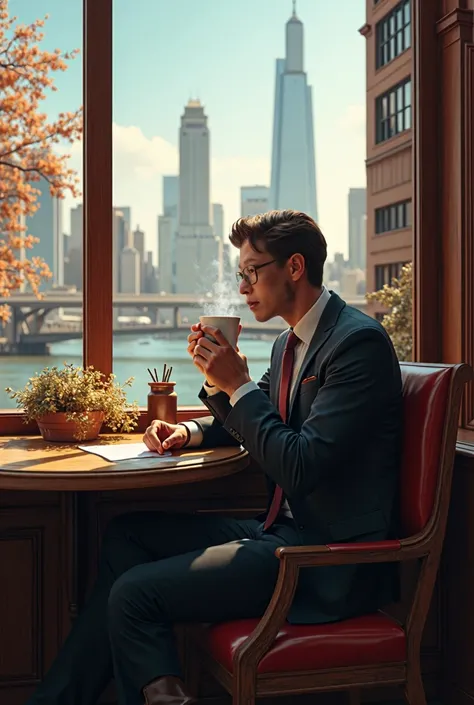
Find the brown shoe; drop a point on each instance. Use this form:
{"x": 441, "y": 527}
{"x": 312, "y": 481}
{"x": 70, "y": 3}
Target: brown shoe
{"x": 168, "y": 690}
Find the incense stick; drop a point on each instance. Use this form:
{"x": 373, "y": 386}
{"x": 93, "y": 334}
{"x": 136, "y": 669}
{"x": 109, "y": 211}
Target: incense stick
{"x": 166, "y": 374}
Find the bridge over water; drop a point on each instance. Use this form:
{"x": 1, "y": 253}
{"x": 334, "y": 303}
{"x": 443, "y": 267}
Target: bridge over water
{"x": 27, "y": 332}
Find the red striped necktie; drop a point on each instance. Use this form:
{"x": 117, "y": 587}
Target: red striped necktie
{"x": 283, "y": 399}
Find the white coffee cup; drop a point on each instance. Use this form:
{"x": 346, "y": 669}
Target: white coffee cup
{"x": 228, "y": 325}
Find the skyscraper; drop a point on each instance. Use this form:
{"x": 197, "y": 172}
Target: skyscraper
{"x": 293, "y": 177}
{"x": 171, "y": 196}
{"x": 357, "y": 210}
{"x": 196, "y": 245}
{"x": 121, "y": 240}
{"x": 77, "y": 225}
{"x": 194, "y": 171}
{"x": 46, "y": 225}
{"x": 167, "y": 230}
{"x": 253, "y": 200}
{"x": 218, "y": 220}
{"x": 127, "y": 216}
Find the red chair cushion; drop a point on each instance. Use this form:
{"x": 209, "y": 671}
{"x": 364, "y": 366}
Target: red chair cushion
{"x": 360, "y": 641}
{"x": 425, "y": 404}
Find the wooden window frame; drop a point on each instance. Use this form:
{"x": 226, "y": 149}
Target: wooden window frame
{"x": 443, "y": 212}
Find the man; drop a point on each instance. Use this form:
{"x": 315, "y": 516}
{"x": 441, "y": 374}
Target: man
{"x": 324, "y": 424}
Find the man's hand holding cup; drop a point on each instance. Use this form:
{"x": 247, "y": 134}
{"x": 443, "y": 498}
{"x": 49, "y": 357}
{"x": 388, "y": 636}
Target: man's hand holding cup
{"x": 220, "y": 362}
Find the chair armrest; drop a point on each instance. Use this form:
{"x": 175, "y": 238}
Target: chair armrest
{"x": 292, "y": 559}
{"x": 344, "y": 553}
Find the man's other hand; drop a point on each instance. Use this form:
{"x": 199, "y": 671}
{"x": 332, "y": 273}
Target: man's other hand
{"x": 161, "y": 436}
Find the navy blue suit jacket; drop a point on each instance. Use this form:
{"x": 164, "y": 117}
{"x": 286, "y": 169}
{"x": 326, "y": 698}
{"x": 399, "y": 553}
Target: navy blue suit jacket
{"x": 337, "y": 457}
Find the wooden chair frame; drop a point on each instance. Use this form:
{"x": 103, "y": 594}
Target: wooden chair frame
{"x": 245, "y": 684}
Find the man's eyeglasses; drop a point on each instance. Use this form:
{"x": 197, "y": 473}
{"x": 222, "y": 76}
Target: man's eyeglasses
{"x": 250, "y": 274}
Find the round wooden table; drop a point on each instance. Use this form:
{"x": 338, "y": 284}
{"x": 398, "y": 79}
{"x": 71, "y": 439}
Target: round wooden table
{"x": 32, "y": 464}
{"x": 35, "y": 464}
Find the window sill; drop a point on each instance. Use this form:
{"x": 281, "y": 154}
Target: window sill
{"x": 11, "y": 421}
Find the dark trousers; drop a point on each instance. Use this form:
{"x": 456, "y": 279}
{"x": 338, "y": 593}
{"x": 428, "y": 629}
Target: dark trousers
{"x": 158, "y": 569}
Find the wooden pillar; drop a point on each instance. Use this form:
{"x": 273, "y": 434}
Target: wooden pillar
{"x": 444, "y": 167}
{"x": 444, "y": 285}
{"x": 98, "y": 249}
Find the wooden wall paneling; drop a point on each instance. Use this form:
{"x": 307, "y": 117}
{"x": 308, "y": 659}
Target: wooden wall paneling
{"x": 31, "y": 598}
{"x": 97, "y": 279}
{"x": 457, "y": 570}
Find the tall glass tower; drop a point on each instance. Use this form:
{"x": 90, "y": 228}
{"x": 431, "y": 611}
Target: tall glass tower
{"x": 293, "y": 178}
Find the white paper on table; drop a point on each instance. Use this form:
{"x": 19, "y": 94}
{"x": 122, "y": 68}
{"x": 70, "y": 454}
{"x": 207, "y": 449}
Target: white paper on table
{"x": 123, "y": 451}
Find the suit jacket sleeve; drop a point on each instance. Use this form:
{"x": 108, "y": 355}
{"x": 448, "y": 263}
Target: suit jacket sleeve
{"x": 214, "y": 433}
{"x": 359, "y": 382}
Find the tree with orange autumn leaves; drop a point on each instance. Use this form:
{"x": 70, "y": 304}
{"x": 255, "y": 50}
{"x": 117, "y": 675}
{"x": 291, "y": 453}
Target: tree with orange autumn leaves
{"x": 31, "y": 147}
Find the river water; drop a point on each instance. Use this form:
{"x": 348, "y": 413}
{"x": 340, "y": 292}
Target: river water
{"x": 131, "y": 359}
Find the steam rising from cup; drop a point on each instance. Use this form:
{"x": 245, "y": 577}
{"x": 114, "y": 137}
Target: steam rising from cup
{"x": 221, "y": 303}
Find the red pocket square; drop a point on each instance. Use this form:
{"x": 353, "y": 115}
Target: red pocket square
{"x": 309, "y": 379}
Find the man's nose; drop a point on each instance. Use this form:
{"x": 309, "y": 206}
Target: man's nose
{"x": 244, "y": 287}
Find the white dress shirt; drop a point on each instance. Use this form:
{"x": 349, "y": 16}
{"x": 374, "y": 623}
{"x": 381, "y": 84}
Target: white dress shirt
{"x": 304, "y": 329}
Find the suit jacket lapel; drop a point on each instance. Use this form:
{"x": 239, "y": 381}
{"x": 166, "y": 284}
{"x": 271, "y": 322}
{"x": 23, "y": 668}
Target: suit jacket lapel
{"x": 326, "y": 323}
{"x": 276, "y": 365}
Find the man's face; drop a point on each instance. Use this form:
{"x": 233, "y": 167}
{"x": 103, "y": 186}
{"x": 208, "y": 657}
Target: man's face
{"x": 272, "y": 292}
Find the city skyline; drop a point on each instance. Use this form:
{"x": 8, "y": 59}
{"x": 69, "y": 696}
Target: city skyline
{"x": 145, "y": 134}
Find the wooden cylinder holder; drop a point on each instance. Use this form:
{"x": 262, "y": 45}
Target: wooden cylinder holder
{"x": 162, "y": 402}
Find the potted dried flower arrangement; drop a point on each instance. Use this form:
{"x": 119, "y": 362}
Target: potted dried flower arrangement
{"x": 72, "y": 403}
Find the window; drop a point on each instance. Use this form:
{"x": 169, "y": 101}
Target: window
{"x": 385, "y": 273}
{"x": 181, "y": 159}
{"x": 393, "y": 217}
{"x": 393, "y": 111}
{"x": 393, "y": 34}
{"x": 44, "y": 332}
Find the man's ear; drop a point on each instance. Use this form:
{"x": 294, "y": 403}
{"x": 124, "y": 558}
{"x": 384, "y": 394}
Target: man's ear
{"x": 297, "y": 266}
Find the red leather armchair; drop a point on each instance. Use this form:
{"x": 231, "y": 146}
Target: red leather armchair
{"x": 257, "y": 658}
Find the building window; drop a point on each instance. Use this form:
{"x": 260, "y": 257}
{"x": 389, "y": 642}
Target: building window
{"x": 393, "y": 34}
{"x": 396, "y": 216}
{"x": 386, "y": 273}
{"x": 393, "y": 111}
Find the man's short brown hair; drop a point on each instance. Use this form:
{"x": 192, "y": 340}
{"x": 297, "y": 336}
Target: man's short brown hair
{"x": 283, "y": 234}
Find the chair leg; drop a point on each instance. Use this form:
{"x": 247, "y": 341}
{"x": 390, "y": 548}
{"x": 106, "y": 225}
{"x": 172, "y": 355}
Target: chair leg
{"x": 414, "y": 688}
{"x": 243, "y": 691}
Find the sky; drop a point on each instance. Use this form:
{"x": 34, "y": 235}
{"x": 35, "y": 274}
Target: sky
{"x": 222, "y": 52}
